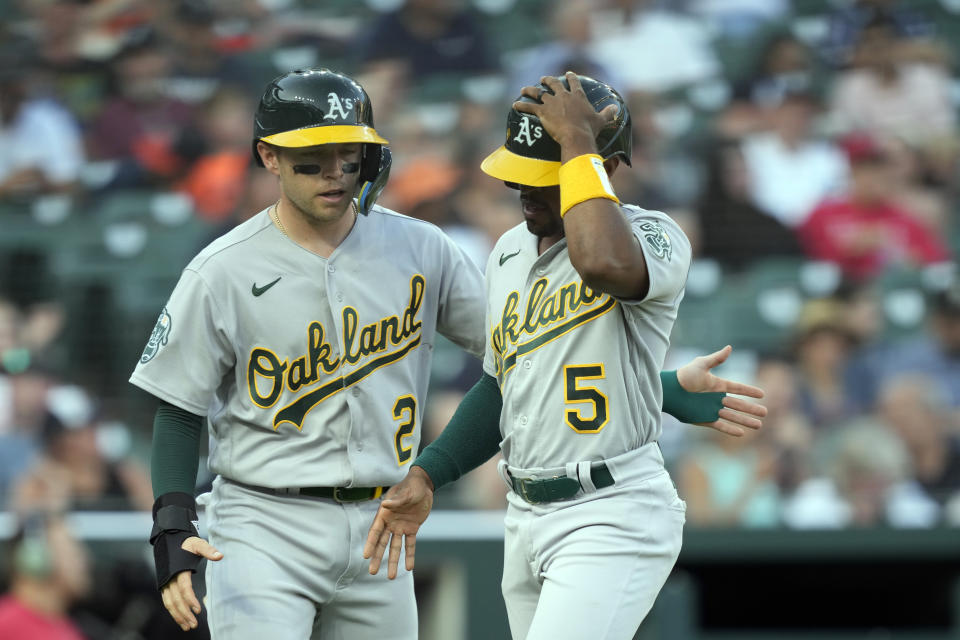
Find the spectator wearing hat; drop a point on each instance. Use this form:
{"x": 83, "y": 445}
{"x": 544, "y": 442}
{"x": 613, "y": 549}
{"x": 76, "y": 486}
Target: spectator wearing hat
{"x": 823, "y": 345}
{"x": 865, "y": 231}
{"x": 74, "y": 470}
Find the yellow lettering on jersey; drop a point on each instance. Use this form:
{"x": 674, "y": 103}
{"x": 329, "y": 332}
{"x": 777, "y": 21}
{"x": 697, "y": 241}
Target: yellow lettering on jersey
{"x": 264, "y": 363}
{"x": 404, "y": 409}
{"x": 319, "y": 352}
{"x": 373, "y": 338}
{"x": 530, "y": 320}
{"x": 543, "y": 312}
{"x": 359, "y": 342}
{"x": 505, "y": 333}
{"x": 305, "y": 370}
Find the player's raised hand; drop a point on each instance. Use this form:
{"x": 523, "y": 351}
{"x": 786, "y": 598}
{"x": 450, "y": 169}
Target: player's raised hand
{"x": 404, "y": 508}
{"x": 566, "y": 114}
{"x": 178, "y": 595}
{"x": 696, "y": 377}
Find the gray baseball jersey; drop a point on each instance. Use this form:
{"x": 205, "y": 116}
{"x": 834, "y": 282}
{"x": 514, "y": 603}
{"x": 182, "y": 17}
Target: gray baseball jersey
{"x": 579, "y": 369}
{"x": 313, "y": 371}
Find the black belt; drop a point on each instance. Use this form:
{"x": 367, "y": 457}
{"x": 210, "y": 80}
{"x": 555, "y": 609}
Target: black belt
{"x": 337, "y": 494}
{"x": 538, "y": 490}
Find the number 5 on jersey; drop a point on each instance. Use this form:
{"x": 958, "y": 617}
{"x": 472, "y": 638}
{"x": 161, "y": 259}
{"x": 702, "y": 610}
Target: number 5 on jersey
{"x": 575, "y": 393}
{"x": 404, "y": 410}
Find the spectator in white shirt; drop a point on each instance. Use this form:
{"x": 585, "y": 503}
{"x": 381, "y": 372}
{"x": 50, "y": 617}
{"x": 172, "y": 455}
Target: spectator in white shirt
{"x": 41, "y": 141}
{"x": 789, "y": 170}
{"x": 652, "y": 49}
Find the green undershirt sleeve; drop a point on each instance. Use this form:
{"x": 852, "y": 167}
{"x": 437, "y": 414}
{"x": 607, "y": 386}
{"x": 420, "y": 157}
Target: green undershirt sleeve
{"x": 471, "y": 437}
{"x": 685, "y": 406}
{"x": 175, "y": 454}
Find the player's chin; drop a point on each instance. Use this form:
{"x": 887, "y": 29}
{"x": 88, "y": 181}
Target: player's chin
{"x": 541, "y": 228}
{"x": 328, "y": 209}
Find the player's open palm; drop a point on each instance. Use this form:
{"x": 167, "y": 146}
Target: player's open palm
{"x": 404, "y": 508}
{"x": 178, "y": 595}
{"x": 697, "y": 377}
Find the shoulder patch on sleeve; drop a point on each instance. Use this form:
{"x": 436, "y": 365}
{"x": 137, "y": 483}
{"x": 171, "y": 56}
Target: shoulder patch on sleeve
{"x": 159, "y": 336}
{"x": 657, "y": 239}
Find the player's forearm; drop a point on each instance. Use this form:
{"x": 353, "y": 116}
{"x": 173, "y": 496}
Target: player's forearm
{"x": 600, "y": 242}
{"x": 471, "y": 437}
{"x": 175, "y": 454}
{"x": 603, "y": 249}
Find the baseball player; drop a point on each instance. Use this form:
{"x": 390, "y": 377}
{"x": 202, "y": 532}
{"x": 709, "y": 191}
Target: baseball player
{"x": 581, "y": 299}
{"x": 303, "y": 338}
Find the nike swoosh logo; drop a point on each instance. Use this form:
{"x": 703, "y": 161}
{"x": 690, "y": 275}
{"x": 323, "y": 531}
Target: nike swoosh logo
{"x": 504, "y": 257}
{"x": 259, "y": 291}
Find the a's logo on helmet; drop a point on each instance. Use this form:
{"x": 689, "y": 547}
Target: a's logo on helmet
{"x": 338, "y": 107}
{"x": 159, "y": 336}
{"x": 528, "y": 134}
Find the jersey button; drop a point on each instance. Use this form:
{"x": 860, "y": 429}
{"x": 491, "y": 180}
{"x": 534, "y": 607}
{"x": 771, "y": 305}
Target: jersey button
{"x": 339, "y": 297}
{"x": 356, "y": 392}
{"x": 527, "y": 364}
{"x": 360, "y": 446}
{"x": 523, "y": 419}
{"x": 331, "y": 268}
{"x": 541, "y": 271}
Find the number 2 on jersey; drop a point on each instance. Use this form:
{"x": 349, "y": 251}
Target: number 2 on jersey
{"x": 574, "y": 393}
{"x": 405, "y": 410}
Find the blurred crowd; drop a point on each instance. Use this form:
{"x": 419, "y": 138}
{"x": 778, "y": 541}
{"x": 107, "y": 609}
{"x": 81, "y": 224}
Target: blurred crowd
{"x": 817, "y": 132}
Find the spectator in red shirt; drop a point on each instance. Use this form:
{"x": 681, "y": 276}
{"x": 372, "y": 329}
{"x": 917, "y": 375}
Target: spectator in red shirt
{"x": 864, "y": 231}
{"x": 49, "y": 571}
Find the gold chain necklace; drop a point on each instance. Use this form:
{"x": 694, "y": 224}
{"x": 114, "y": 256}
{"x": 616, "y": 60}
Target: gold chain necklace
{"x": 276, "y": 215}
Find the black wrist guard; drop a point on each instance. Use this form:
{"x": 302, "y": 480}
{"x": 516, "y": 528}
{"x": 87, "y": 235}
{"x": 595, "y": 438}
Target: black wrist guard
{"x": 174, "y": 520}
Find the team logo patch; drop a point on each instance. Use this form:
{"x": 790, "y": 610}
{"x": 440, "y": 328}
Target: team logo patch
{"x": 657, "y": 239}
{"x": 159, "y": 336}
{"x": 338, "y": 107}
{"x": 527, "y": 134}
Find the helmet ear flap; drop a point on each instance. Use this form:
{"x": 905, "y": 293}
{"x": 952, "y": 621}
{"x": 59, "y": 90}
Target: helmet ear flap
{"x": 370, "y": 162}
{"x": 372, "y": 185}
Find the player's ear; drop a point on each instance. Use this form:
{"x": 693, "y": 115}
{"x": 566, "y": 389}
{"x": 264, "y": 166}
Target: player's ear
{"x": 270, "y": 157}
{"x": 611, "y": 164}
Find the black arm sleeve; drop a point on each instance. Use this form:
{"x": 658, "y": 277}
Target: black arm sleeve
{"x": 175, "y": 454}
{"x": 471, "y": 438}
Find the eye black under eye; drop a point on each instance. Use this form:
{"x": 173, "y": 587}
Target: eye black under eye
{"x": 308, "y": 169}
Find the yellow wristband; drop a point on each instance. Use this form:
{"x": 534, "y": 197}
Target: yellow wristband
{"x": 583, "y": 178}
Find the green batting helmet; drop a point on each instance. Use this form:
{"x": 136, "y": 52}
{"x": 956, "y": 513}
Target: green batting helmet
{"x": 531, "y": 157}
{"x": 310, "y": 107}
